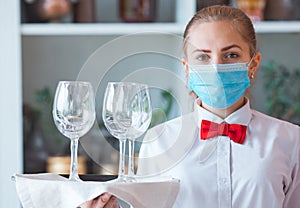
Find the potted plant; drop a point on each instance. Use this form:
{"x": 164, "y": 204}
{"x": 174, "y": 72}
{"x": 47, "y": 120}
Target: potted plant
{"x": 283, "y": 91}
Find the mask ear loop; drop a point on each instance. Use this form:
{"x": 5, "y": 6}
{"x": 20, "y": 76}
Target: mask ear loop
{"x": 251, "y": 59}
{"x": 252, "y": 74}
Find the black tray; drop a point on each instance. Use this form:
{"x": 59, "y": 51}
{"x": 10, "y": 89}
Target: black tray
{"x": 94, "y": 177}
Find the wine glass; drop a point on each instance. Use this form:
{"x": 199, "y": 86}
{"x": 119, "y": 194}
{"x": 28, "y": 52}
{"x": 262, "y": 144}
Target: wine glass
{"x": 74, "y": 115}
{"x": 126, "y": 114}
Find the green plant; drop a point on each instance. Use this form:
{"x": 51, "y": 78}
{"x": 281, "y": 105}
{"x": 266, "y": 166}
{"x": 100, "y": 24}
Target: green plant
{"x": 44, "y": 99}
{"x": 283, "y": 91}
{"x": 162, "y": 113}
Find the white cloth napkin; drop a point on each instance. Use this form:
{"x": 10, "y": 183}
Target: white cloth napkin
{"x": 52, "y": 190}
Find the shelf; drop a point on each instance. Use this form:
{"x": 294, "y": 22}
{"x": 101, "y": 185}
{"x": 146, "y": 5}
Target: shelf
{"x": 50, "y": 29}
{"x": 277, "y": 27}
{"x": 99, "y": 28}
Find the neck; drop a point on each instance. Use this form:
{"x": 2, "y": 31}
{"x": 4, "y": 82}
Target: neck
{"x": 223, "y": 113}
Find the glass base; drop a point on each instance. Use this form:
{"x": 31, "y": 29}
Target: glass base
{"x": 74, "y": 178}
{"x": 125, "y": 179}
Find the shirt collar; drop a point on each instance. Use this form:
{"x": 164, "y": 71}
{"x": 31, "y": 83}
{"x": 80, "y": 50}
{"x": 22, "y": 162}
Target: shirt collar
{"x": 241, "y": 116}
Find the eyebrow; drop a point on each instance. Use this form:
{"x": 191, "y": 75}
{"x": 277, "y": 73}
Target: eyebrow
{"x": 201, "y": 50}
{"x": 231, "y": 46}
{"x": 223, "y": 49}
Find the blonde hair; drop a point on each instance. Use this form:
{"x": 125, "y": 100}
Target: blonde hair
{"x": 240, "y": 21}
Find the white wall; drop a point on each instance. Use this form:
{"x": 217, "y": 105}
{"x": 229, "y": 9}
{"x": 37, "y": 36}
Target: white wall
{"x": 67, "y": 61}
{"x": 50, "y": 62}
{"x": 10, "y": 102}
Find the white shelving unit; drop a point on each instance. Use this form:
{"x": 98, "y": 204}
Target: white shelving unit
{"x": 184, "y": 11}
{"x": 17, "y": 34}
{"x": 129, "y": 28}
{"x": 277, "y": 27}
{"x": 98, "y": 29}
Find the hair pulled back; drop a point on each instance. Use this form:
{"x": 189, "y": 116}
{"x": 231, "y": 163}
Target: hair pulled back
{"x": 240, "y": 21}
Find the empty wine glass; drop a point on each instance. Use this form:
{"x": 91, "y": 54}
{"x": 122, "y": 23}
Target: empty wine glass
{"x": 74, "y": 115}
{"x": 126, "y": 114}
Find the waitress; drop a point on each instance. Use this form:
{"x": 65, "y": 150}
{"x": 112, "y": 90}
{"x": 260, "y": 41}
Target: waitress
{"x": 224, "y": 153}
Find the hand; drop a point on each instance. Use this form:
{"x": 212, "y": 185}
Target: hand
{"x": 105, "y": 200}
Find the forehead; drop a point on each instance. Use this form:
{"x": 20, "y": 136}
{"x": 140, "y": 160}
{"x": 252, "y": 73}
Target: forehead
{"x": 215, "y": 35}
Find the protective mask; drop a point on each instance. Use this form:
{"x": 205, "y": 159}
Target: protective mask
{"x": 219, "y": 85}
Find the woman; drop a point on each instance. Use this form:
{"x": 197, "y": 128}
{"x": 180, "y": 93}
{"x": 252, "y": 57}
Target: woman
{"x": 224, "y": 153}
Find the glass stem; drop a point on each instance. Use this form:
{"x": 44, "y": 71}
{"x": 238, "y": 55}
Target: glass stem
{"x": 74, "y": 163}
{"x": 122, "y": 143}
{"x": 131, "y": 158}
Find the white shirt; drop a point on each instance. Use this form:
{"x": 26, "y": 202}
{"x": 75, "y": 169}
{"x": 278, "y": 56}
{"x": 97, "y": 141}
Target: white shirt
{"x": 263, "y": 172}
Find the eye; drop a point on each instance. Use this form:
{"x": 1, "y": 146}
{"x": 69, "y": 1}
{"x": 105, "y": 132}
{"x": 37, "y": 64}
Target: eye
{"x": 203, "y": 57}
{"x": 231, "y": 56}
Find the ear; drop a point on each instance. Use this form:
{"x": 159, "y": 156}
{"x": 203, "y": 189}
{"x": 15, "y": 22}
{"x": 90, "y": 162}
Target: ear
{"x": 187, "y": 69}
{"x": 254, "y": 65}
{"x": 184, "y": 63}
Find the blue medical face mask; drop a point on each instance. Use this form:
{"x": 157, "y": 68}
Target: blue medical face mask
{"x": 219, "y": 85}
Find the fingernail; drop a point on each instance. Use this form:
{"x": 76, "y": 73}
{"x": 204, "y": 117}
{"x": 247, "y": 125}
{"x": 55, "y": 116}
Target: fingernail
{"x": 104, "y": 199}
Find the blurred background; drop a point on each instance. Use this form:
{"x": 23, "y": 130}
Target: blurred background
{"x": 44, "y": 41}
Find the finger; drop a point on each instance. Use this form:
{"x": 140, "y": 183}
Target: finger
{"x": 112, "y": 202}
{"x": 102, "y": 200}
{"x": 116, "y": 205}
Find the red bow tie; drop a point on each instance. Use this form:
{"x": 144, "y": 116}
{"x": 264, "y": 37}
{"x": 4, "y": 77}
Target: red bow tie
{"x": 235, "y": 132}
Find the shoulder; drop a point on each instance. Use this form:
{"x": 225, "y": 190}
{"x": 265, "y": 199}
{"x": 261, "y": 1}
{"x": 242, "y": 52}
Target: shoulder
{"x": 274, "y": 122}
{"x": 165, "y": 134}
{"x": 279, "y": 129}
{"x": 166, "y": 144}
{"x": 173, "y": 124}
